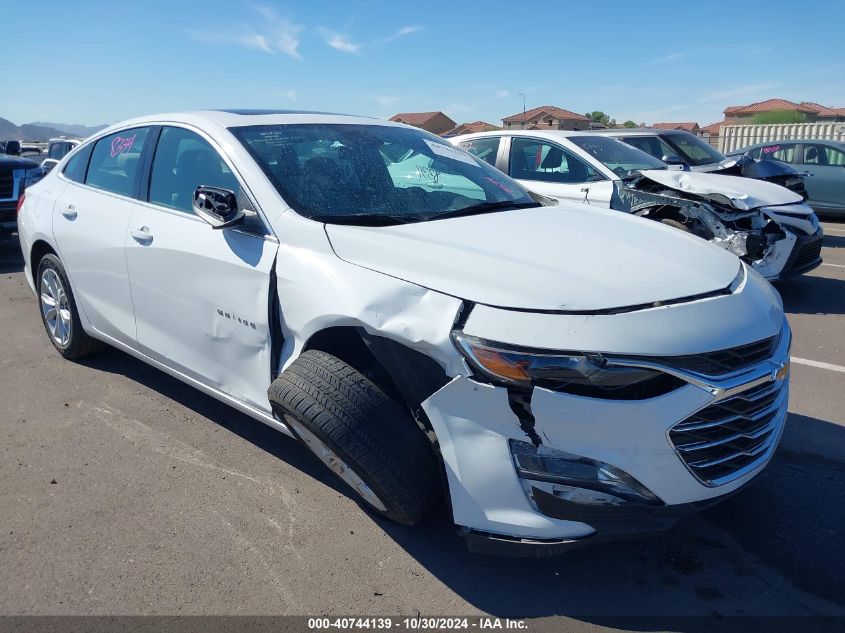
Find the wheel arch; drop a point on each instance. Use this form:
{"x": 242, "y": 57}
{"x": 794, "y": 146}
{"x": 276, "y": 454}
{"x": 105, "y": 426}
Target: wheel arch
{"x": 403, "y": 372}
{"x": 39, "y": 249}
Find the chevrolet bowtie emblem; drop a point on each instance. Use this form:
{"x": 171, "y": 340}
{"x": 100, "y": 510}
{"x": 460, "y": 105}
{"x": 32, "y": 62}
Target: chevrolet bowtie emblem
{"x": 781, "y": 372}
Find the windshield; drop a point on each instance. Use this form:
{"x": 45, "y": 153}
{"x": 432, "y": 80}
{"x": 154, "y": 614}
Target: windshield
{"x": 376, "y": 174}
{"x": 622, "y": 159}
{"x": 694, "y": 150}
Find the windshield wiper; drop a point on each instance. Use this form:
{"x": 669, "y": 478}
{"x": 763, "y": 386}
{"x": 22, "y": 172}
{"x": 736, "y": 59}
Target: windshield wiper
{"x": 484, "y": 207}
{"x": 365, "y": 219}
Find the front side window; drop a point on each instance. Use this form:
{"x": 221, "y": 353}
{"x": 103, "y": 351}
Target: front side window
{"x": 622, "y": 159}
{"x": 375, "y": 174}
{"x": 116, "y": 161}
{"x": 532, "y": 159}
{"x": 784, "y": 152}
{"x": 485, "y": 148}
{"x": 823, "y": 155}
{"x": 183, "y": 161}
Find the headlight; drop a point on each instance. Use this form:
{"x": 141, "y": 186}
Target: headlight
{"x": 584, "y": 374}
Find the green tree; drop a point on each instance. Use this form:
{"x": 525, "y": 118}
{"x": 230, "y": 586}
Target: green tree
{"x": 784, "y": 116}
{"x": 598, "y": 116}
{"x": 629, "y": 123}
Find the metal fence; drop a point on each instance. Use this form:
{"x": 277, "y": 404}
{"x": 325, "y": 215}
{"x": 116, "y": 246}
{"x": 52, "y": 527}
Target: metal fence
{"x": 733, "y": 137}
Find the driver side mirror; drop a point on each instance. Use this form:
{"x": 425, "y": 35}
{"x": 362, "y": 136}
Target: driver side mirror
{"x": 672, "y": 159}
{"x": 219, "y": 207}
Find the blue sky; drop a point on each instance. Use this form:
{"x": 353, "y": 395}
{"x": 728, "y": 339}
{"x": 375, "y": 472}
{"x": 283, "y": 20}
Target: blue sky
{"x": 102, "y": 61}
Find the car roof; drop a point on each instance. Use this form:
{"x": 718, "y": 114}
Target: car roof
{"x": 239, "y": 118}
{"x": 639, "y": 131}
{"x": 549, "y": 134}
{"x": 820, "y": 141}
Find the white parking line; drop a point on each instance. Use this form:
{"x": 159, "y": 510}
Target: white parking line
{"x": 833, "y": 265}
{"x": 827, "y": 230}
{"x": 815, "y": 363}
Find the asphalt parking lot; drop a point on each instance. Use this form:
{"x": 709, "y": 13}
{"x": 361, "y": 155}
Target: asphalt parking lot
{"x": 126, "y": 492}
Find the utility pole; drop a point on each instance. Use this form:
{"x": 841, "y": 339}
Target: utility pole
{"x": 523, "y": 109}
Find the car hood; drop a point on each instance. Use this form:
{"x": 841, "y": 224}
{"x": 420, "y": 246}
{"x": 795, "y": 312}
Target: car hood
{"x": 16, "y": 162}
{"x": 570, "y": 258}
{"x": 742, "y": 193}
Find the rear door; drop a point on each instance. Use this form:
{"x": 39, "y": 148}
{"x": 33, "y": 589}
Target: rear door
{"x": 90, "y": 219}
{"x": 201, "y": 295}
{"x": 824, "y": 168}
{"x": 552, "y": 170}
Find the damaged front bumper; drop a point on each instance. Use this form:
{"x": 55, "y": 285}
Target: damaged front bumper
{"x": 661, "y": 443}
{"x": 804, "y": 256}
{"x": 777, "y": 241}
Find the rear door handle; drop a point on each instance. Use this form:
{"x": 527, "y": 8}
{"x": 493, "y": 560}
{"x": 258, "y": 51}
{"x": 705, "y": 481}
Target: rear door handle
{"x": 69, "y": 212}
{"x": 806, "y": 173}
{"x": 142, "y": 234}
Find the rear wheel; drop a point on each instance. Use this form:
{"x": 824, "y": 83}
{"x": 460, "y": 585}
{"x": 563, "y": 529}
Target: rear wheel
{"x": 59, "y": 313}
{"x": 360, "y": 434}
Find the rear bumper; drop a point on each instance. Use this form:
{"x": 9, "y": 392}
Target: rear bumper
{"x": 806, "y": 255}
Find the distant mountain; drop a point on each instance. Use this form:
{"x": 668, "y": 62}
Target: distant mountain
{"x": 43, "y": 131}
{"x": 70, "y": 129}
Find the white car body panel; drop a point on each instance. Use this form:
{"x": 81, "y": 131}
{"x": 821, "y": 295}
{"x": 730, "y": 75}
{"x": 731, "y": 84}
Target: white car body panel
{"x": 215, "y": 287}
{"x": 90, "y": 239}
{"x": 744, "y": 193}
{"x": 409, "y": 284}
{"x": 554, "y": 261}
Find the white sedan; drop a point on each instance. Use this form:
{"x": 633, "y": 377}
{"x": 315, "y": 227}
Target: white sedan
{"x": 768, "y": 226}
{"x": 417, "y": 320}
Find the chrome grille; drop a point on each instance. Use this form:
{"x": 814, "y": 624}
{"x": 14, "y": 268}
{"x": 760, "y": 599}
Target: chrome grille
{"x": 732, "y": 437}
{"x": 809, "y": 253}
{"x": 7, "y": 184}
{"x": 724, "y": 361}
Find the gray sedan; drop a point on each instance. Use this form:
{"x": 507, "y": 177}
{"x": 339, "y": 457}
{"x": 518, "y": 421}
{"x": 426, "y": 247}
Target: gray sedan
{"x": 821, "y": 162}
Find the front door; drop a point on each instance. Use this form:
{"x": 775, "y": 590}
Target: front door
{"x": 201, "y": 295}
{"x": 554, "y": 171}
{"x": 824, "y": 168}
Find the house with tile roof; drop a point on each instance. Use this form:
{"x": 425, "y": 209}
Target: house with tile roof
{"x": 471, "y": 128}
{"x": 434, "y": 122}
{"x": 546, "y": 118}
{"x": 743, "y": 115}
{"x": 686, "y": 126}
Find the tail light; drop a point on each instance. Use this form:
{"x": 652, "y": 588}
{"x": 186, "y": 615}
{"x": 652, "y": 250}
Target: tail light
{"x": 20, "y": 202}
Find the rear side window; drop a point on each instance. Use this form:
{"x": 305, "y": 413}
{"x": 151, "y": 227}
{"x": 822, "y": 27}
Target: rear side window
{"x": 76, "y": 165}
{"x": 116, "y": 161}
{"x": 485, "y": 148}
{"x": 184, "y": 161}
{"x": 784, "y": 152}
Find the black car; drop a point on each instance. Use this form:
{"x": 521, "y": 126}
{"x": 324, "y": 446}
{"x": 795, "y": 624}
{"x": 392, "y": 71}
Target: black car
{"x": 16, "y": 173}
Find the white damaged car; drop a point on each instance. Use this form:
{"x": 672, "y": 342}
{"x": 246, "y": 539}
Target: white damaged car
{"x": 769, "y": 226}
{"x": 563, "y": 377}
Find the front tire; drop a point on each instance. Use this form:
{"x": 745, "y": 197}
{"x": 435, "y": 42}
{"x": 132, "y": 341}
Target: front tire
{"x": 362, "y": 435}
{"x": 59, "y": 313}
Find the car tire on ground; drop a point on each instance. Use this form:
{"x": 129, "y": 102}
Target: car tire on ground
{"x": 361, "y": 434}
{"x": 59, "y": 313}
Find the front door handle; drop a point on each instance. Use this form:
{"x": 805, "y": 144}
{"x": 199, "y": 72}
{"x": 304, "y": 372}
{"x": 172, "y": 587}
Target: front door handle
{"x": 142, "y": 234}
{"x": 806, "y": 173}
{"x": 69, "y": 212}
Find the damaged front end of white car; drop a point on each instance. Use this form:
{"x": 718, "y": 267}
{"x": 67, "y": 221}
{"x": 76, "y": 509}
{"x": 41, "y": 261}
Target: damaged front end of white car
{"x": 768, "y": 226}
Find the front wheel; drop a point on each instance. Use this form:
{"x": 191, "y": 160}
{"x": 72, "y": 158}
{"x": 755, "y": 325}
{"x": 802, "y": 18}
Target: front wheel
{"x": 360, "y": 434}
